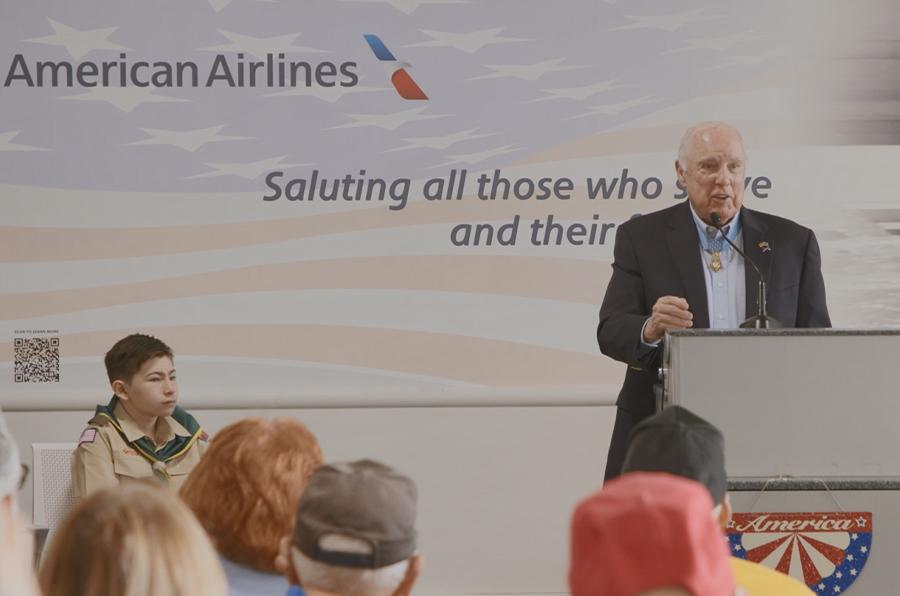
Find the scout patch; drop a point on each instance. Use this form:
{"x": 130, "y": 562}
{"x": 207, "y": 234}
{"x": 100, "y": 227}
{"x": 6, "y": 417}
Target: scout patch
{"x": 88, "y": 436}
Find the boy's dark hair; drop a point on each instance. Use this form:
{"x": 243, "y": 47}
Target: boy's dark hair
{"x": 130, "y": 353}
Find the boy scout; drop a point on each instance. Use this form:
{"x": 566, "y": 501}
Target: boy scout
{"x": 141, "y": 432}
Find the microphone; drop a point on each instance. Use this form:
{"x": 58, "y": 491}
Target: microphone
{"x": 761, "y": 320}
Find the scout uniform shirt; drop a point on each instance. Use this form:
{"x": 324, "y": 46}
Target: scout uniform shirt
{"x": 112, "y": 449}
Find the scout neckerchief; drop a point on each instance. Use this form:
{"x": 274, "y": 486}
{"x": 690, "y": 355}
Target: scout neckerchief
{"x": 157, "y": 457}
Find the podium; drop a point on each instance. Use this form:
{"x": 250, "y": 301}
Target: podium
{"x": 811, "y": 419}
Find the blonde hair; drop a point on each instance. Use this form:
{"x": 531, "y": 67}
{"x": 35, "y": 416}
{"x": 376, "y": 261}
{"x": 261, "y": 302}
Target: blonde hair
{"x": 136, "y": 539}
{"x": 246, "y": 487}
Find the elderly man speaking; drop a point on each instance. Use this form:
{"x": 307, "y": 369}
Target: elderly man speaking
{"x": 673, "y": 269}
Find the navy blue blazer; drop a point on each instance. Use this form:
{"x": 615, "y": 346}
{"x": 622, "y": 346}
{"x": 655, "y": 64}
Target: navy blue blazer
{"x": 658, "y": 254}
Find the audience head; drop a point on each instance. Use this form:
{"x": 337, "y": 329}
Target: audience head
{"x": 245, "y": 488}
{"x": 648, "y": 533}
{"x": 11, "y": 469}
{"x": 137, "y": 539}
{"x": 16, "y": 539}
{"x": 355, "y": 532}
{"x": 679, "y": 442}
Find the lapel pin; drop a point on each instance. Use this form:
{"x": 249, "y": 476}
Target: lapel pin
{"x": 764, "y": 246}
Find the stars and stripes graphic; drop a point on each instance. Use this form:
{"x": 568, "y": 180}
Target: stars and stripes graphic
{"x": 131, "y": 207}
{"x": 826, "y": 551}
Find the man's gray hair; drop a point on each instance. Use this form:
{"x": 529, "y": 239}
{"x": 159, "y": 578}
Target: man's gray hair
{"x": 348, "y": 581}
{"x": 10, "y": 465}
{"x": 688, "y": 137}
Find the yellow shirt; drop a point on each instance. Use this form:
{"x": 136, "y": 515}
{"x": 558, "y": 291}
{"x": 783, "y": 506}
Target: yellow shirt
{"x": 759, "y": 580}
{"x": 104, "y": 458}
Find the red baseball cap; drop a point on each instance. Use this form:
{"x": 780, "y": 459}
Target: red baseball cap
{"x": 648, "y": 530}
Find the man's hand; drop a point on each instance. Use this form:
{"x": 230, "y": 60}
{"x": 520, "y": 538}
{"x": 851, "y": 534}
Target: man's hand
{"x": 669, "y": 312}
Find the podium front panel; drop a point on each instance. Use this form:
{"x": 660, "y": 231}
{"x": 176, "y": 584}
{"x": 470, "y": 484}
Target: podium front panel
{"x": 813, "y": 403}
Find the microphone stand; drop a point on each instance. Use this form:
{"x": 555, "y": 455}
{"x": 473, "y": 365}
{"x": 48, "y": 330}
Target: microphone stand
{"x": 761, "y": 320}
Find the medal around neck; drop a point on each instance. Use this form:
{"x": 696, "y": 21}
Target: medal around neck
{"x": 715, "y": 261}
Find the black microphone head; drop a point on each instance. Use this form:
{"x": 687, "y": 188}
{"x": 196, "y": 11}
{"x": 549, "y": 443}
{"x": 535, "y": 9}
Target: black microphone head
{"x": 716, "y": 219}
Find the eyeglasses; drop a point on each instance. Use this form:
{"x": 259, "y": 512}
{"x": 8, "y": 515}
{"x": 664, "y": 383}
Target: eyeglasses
{"x": 25, "y": 471}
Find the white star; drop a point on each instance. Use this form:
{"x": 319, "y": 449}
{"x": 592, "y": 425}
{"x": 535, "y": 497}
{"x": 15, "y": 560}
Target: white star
{"x": 124, "y": 98}
{"x": 612, "y": 109}
{"x": 853, "y": 572}
{"x": 328, "y": 94}
{"x": 218, "y": 5}
{"x": 849, "y": 557}
{"x": 837, "y": 588}
{"x": 666, "y": 22}
{"x": 260, "y": 46}
{"x": 715, "y": 43}
{"x": 854, "y": 536}
{"x": 442, "y": 142}
{"x": 467, "y": 42}
{"x": 861, "y": 522}
{"x": 821, "y": 586}
{"x": 839, "y": 575}
{"x": 526, "y": 72}
{"x": 474, "y": 158}
{"x": 391, "y": 121}
{"x": 6, "y": 143}
{"x": 409, "y": 6}
{"x": 863, "y": 549}
{"x": 189, "y": 140}
{"x": 78, "y": 43}
{"x": 249, "y": 171}
{"x": 579, "y": 93}
{"x": 737, "y": 548}
{"x": 747, "y": 59}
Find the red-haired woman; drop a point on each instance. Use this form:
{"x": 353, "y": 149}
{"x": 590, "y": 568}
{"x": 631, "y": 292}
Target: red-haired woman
{"x": 245, "y": 491}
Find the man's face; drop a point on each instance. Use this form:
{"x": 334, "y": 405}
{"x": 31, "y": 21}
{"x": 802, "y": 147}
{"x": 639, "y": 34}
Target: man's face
{"x": 153, "y": 390}
{"x": 713, "y": 172}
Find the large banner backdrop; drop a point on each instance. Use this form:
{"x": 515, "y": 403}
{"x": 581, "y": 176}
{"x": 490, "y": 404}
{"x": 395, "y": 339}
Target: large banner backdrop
{"x": 381, "y": 200}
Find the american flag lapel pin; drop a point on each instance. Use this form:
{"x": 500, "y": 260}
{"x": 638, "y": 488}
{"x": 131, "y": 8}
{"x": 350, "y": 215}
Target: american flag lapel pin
{"x": 764, "y": 246}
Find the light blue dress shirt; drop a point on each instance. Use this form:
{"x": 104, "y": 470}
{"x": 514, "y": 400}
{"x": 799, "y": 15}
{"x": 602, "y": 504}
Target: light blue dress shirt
{"x": 245, "y": 581}
{"x": 726, "y": 297}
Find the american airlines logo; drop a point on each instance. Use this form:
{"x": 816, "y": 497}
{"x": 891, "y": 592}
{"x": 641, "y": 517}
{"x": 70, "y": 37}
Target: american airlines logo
{"x": 238, "y": 70}
{"x": 226, "y": 70}
{"x": 401, "y": 79}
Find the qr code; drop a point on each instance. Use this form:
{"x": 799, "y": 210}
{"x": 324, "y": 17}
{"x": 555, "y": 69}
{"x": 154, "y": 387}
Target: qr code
{"x": 36, "y": 359}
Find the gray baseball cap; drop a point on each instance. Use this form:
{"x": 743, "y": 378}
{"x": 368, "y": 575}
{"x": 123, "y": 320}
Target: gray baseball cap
{"x": 365, "y": 500}
{"x": 679, "y": 442}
